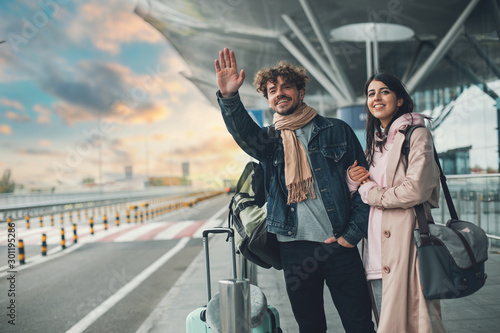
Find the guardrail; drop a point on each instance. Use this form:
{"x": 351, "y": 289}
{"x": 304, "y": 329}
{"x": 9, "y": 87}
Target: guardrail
{"x": 143, "y": 207}
{"x": 476, "y": 199}
{"x": 36, "y": 205}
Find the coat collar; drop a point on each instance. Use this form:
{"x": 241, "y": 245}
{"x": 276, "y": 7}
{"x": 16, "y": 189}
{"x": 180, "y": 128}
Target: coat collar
{"x": 397, "y": 133}
{"x": 320, "y": 123}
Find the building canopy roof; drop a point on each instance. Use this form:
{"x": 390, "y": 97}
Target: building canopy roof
{"x": 432, "y": 45}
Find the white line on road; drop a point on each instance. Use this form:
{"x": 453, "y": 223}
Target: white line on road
{"x": 95, "y": 314}
{"x": 155, "y": 316}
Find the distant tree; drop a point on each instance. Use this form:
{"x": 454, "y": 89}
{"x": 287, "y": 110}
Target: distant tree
{"x": 6, "y": 185}
{"x": 88, "y": 180}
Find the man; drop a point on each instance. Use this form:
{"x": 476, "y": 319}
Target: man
{"x": 309, "y": 201}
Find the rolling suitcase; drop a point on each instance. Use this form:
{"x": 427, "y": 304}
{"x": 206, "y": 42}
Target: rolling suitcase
{"x": 196, "y": 321}
{"x": 266, "y": 319}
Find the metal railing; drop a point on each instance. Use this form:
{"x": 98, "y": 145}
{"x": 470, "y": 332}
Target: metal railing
{"x": 477, "y": 200}
{"x": 18, "y": 206}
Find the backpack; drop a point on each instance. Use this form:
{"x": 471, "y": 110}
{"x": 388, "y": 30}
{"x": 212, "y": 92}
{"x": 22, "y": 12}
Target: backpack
{"x": 247, "y": 213}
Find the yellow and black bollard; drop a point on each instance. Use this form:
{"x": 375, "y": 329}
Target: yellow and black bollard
{"x": 62, "y": 218}
{"x": 27, "y": 221}
{"x": 142, "y": 218}
{"x": 9, "y": 221}
{"x": 63, "y": 240}
{"x": 20, "y": 246}
{"x": 128, "y": 216}
{"x": 52, "y": 220}
{"x": 44, "y": 244}
{"x": 105, "y": 221}
{"x": 135, "y": 216}
{"x": 75, "y": 237}
{"x": 41, "y": 221}
{"x": 117, "y": 219}
{"x": 91, "y": 222}
{"x": 70, "y": 217}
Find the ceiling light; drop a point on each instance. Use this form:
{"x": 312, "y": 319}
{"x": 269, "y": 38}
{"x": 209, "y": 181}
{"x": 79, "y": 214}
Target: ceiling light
{"x": 381, "y": 32}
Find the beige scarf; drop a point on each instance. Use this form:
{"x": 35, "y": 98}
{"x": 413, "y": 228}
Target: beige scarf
{"x": 298, "y": 175}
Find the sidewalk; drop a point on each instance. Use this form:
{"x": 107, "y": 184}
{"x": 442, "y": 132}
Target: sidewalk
{"x": 475, "y": 313}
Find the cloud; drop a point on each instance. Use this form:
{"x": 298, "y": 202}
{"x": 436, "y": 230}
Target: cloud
{"x": 147, "y": 113}
{"x": 72, "y": 114}
{"x": 109, "y": 27}
{"x": 96, "y": 89}
{"x": 43, "y": 114}
{"x": 5, "y": 129}
{"x": 10, "y": 103}
{"x": 20, "y": 118}
{"x": 44, "y": 143}
{"x": 160, "y": 137}
{"x": 90, "y": 85}
{"x": 38, "y": 152}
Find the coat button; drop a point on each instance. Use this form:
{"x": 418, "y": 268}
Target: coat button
{"x": 387, "y": 233}
{"x": 289, "y": 232}
{"x": 386, "y": 269}
{"x": 292, "y": 209}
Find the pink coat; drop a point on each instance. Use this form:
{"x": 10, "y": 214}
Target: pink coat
{"x": 404, "y": 308}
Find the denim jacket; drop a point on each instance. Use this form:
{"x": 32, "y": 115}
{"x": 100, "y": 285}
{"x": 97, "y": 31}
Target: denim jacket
{"x": 333, "y": 147}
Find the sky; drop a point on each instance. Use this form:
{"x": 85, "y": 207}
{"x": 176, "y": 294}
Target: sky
{"x": 88, "y": 87}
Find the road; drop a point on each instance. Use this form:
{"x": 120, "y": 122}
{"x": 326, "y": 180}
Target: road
{"x": 108, "y": 282}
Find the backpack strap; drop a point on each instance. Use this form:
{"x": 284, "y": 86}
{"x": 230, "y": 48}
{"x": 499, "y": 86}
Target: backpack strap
{"x": 272, "y": 135}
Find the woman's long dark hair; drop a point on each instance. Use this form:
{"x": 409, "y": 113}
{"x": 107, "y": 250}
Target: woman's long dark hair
{"x": 372, "y": 123}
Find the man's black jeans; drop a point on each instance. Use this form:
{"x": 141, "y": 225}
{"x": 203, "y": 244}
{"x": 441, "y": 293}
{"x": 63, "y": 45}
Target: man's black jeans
{"x": 307, "y": 265}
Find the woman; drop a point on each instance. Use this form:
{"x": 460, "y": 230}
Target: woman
{"x": 392, "y": 188}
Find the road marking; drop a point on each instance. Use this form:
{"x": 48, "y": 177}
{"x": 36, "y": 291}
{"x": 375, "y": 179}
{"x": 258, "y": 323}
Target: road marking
{"x": 170, "y": 233}
{"x": 151, "y": 321}
{"x": 95, "y": 314}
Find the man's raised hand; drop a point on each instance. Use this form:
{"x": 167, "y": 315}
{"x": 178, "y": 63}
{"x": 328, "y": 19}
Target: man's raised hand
{"x": 228, "y": 78}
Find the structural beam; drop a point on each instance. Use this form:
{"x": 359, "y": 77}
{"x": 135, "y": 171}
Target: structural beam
{"x": 482, "y": 54}
{"x": 347, "y": 87}
{"x": 312, "y": 51}
{"x": 441, "y": 49}
{"x": 318, "y": 75}
{"x": 412, "y": 63}
{"x": 369, "y": 60}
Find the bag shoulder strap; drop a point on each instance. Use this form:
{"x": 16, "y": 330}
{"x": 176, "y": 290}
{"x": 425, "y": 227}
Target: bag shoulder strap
{"x": 405, "y": 150}
{"x": 406, "y": 144}
{"x": 419, "y": 209}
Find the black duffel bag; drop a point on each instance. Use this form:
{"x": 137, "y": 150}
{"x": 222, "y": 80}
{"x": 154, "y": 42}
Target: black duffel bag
{"x": 451, "y": 257}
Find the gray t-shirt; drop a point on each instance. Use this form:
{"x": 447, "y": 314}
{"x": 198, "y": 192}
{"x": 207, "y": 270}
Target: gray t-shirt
{"x": 312, "y": 218}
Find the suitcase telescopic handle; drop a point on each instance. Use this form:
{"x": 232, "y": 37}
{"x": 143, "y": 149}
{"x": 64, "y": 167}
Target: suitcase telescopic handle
{"x": 217, "y": 230}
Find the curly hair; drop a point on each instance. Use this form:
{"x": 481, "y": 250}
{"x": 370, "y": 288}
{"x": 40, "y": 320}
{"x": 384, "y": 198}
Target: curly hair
{"x": 289, "y": 74}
